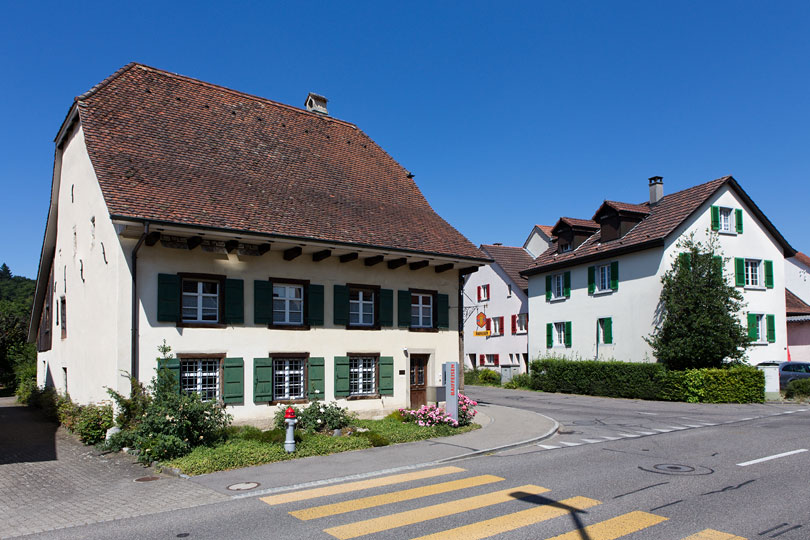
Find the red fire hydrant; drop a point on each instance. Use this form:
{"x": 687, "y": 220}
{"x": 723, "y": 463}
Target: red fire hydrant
{"x": 289, "y": 419}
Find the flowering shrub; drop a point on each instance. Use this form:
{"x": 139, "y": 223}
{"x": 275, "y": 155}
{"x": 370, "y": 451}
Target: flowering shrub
{"x": 466, "y": 410}
{"x": 317, "y": 416}
{"x": 428, "y": 415}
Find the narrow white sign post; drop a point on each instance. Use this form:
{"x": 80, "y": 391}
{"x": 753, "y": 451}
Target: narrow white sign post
{"x": 451, "y": 375}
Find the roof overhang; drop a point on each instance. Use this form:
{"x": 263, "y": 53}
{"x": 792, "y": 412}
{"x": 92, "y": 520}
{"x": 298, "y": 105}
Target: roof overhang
{"x": 567, "y": 263}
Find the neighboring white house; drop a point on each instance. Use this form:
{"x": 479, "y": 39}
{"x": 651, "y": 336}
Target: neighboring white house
{"x": 280, "y": 252}
{"x": 594, "y": 293}
{"x": 496, "y": 306}
{"x": 797, "y": 283}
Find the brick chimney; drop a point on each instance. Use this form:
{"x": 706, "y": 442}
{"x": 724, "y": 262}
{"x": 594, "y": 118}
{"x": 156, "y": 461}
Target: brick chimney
{"x": 316, "y": 103}
{"x": 656, "y": 189}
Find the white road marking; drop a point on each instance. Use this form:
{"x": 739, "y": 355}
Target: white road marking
{"x": 760, "y": 460}
{"x": 628, "y": 435}
{"x": 692, "y": 425}
{"x": 571, "y": 443}
{"x": 646, "y": 432}
{"x": 650, "y": 413}
{"x": 591, "y": 441}
{"x": 548, "y": 446}
{"x": 676, "y": 427}
{"x": 708, "y": 424}
{"x": 744, "y": 419}
{"x": 662, "y": 430}
{"x": 612, "y": 438}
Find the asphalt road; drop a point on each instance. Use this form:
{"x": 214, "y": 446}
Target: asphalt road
{"x": 601, "y": 471}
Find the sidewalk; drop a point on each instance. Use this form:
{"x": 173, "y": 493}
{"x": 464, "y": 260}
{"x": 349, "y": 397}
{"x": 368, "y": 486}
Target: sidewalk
{"x": 502, "y": 428}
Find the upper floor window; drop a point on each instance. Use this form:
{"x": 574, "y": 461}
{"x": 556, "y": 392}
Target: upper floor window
{"x": 200, "y": 300}
{"x": 521, "y": 323}
{"x": 558, "y": 286}
{"x": 361, "y": 306}
{"x": 288, "y": 304}
{"x": 727, "y": 220}
{"x": 761, "y": 328}
{"x": 421, "y": 310}
{"x": 497, "y": 326}
{"x": 565, "y": 246}
{"x": 483, "y": 293}
{"x": 201, "y": 375}
{"x": 603, "y": 278}
{"x": 752, "y": 273}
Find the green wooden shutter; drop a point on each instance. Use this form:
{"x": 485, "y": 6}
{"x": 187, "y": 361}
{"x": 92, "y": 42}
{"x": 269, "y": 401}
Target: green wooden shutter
{"x": 608, "y": 330}
{"x": 341, "y": 305}
{"x": 315, "y": 304}
{"x": 404, "y": 309}
{"x": 591, "y": 279}
{"x": 341, "y": 376}
{"x": 567, "y": 284}
{"x": 738, "y": 220}
{"x": 173, "y": 365}
{"x": 233, "y": 380}
{"x": 262, "y": 302}
{"x": 386, "y": 308}
{"x": 739, "y": 272}
{"x": 718, "y": 263}
{"x": 614, "y": 275}
{"x": 548, "y": 288}
{"x": 262, "y": 380}
{"x": 549, "y": 335}
{"x": 168, "y": 298}
{"x": 715, "y": 218}
{"x": 234, "y": 301}
{"x": 768, "y": 274}
{"x": 386, "y": 375}
{"x": 770, "y": 322}
{"x": 316, "y": 380}
{"x": 443, "y": 311}
{"x": 752, "y": 327}
{"x": 568, "y": 339}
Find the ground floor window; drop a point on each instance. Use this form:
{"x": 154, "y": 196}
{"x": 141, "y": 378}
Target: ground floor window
{"x": 362, "y": 375}
{"x": 200, "y": 375}
{"x": 288, "y": 378}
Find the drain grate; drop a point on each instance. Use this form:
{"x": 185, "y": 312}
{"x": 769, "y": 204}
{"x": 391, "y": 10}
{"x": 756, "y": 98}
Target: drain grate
{"x": 243, "y": 486}
{"x": 677, "y": 469}
{"x": 147, "y": 479}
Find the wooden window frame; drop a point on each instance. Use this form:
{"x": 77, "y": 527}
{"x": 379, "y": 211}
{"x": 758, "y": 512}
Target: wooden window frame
{"x": 204, "y": 356}
{"x": 283, "y": 355}
{"x": 434, "y": 313}
{"x": 304, "y": 283}
{"x": 376, "y": 394}
{"x": 376, "y": 306}
{"x": 220, "y": 279}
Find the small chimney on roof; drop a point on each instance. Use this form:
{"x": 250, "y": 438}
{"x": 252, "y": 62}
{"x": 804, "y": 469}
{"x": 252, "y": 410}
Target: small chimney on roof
{"x": 316, "y": 103}
{"x": 656, "y": 189}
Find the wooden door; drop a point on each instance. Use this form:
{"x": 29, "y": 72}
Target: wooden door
{"x": 418, "y": 380}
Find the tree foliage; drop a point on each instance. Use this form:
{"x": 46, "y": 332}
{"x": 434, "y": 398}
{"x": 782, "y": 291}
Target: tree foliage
{"x": 698, "y": 323}
{"x": 16, "y": 298}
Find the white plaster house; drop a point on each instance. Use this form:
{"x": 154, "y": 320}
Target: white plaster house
{"x": 797, "y": 285}
{"x": 594, "y": 293}
{"x": 280, "y": 252}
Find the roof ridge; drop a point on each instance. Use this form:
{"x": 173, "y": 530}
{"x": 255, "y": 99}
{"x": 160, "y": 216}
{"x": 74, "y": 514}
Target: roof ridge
{"x": 704, "y": 184}
{"x": 200, "y": 82}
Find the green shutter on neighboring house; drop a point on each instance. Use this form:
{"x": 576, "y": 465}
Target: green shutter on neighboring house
{"x": 173, "y": 365}
{"x": 233, "y": 380}
{"x": 548, "y": 288}
{"x": 341, "y": 305}
{"x": 549, "y": 335}
{"x": 591, "y": 279}
{"x": 770, "y": 322}
{"x": 738, "y": 220}
{"x": 316, "y": 380}
{"x": 768, "y": 274}
{"x": 739, "y": 272}
{"x": 567, "y": 284}
{"x": 341, "y": 376}
{"x": 715, "y": 218}
{"x": 386, "y": 375}
{"x": 568, "y": 340}
{"x": 614, "y": 275}
{"x": 608, "y": 330}
{"x": 234, "y": 301}
{"x": 168, "y": 309}
{"x": 404, "y": 309}
{"x": 443, "y": 311}
{"x": 262, "y": 380}
{"x": 262, "y": 302}
{"x": 315, "y": 304}
{"x": 386, "y": 308}
{"x": 752, "y": 327}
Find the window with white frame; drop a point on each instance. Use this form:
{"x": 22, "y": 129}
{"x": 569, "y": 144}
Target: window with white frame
{"x": 361, "y": 307}
{"x": 493, "y": 359}
{"x": 288, "y": 304}
{"x": 753, "y": 273}
{"x": 603, "y": 278}
{"x": 522, "y": 323}
{"x": 201, "y": 376}
{"x": 288, "y": 378}
{"x": 565, "y": 246}
{"x": 559, "y": 334}
{"x": 759, "y": 332}
{"x": 421, "y": 310}
{"x": 362, "y": 375}
{"x": 726, "y": 217}
{"x": 558, "y": 286}
{"x": 200, "y": 300}
{"x": 483, "y": 293}
{"x": 497, "y": 326}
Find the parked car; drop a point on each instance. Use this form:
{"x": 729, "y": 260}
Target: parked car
{"x": 791, "y": 371}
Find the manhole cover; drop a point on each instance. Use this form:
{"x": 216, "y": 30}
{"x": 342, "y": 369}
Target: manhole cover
{"x": 147, "y": 479}
{"x": 677, "y": 469}
{"x": 243, "y": 486}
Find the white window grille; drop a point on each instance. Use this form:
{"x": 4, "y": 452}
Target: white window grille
{"x": 362, "y": 375}
{"x": 200, "y": 375}
{"x": 288, "y": 378}
{"x": 753, "y": 276}
{"x": 725, "y": 220}
{"x": 558, "y": 286}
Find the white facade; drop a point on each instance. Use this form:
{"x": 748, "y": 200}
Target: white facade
{"x": 503, "y": 301}
{"x": 631, "y": 308}
{"x": 797, "y": 278}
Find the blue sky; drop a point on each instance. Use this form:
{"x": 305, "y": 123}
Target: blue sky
{"x": 508, "y": 113}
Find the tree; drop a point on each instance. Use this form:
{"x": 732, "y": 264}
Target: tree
{"x": 698, "y": 323}
{"x": 16, "y": 297}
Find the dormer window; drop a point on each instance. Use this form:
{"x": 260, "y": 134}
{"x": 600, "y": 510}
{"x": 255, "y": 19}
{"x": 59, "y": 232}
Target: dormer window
{"x": 565, "y": 246}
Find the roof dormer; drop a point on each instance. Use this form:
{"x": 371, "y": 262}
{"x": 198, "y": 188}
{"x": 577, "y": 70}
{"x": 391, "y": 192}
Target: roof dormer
{"x": 571, "y": 232}
{"x": 615, "y": 219}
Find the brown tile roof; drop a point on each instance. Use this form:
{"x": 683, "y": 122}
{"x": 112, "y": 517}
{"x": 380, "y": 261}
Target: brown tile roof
{"x": 575, "y": 222}
{"x": 173, "y": 149}
{"x": 663, "y": 218}
{"x": 794, "y": 305}
{"x": 546, "y": 229}
{"x": 625, "y": 207}
{"x": 802, "y": 258}
{"x": 512, "y": 260}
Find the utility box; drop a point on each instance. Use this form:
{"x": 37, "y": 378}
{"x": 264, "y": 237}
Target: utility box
{"x": 771, "y": 382}
{"x": 434, "y": 394}
{"x": 509, "y": 371}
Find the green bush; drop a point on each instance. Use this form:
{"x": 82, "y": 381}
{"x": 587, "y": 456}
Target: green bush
{"x": 67, "y": 412}
{"x": 798, "y": 389}
{"x": 26, "y": 391}
{"x": 737, "y": 384}
{"x": 489, "y": 376}
{"x": 521, "y": 380}
{"x": 396, "y": 415}
{"x": 594, "y": 378}
{"x": 93, "y": 422}
{"x": 317, "y": 416}
{"x": 470, "y": 376}
{"x": 373, "y": 437}
{"x": 130, "y": 409}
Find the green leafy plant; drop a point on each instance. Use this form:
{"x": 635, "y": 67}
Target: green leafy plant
{"x": 130, "y": 409}
{"x": 489, "y": 376}
{"x": 373, "y": 437}
{"x": 93, "y": 422}
{"x": 317, "y": 416}
{"x": 519, "y": 381}
{"x": 798, "y": 389}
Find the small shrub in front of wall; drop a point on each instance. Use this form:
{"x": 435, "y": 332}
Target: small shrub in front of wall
{"x": 92, "y": 423}
{"x": 798, "y": 389}
{"x": 317, "y": 416}
{"x": 519, "y": 381}
{"x": 470, "y": 376}
{"x": 429, "y": 415}
{"x": 489, "y": 376}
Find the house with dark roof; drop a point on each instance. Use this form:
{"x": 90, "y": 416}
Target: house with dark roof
{"x": 496, "y": 307}
{"x": 281, "y": 253}
{"x": 593, "y": 294}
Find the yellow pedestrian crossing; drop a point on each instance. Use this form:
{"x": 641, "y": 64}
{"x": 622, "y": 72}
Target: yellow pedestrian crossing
{"x": 541, "y": 510}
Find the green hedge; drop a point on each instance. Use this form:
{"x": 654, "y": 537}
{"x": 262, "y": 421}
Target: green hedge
{"x": 739, "y": 384}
